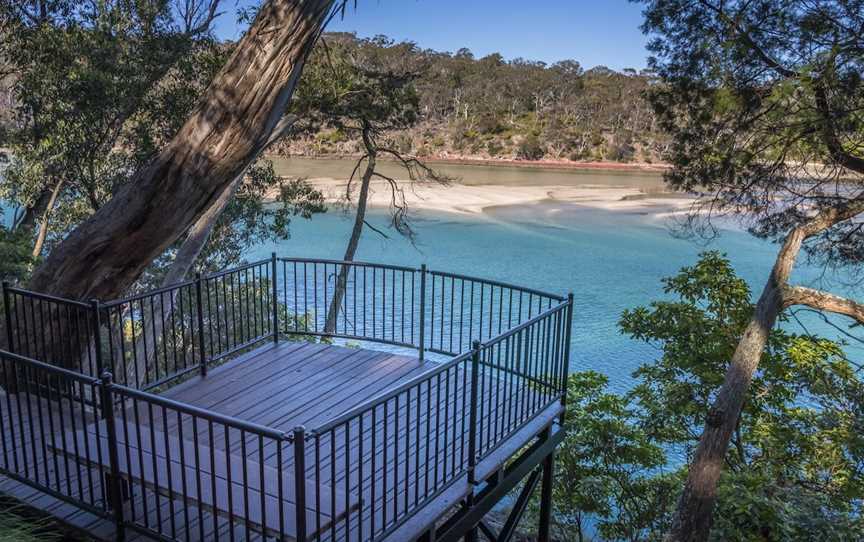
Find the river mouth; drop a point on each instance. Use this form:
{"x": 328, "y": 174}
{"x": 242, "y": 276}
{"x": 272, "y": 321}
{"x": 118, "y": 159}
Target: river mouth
{"x": 611, "y": 247}
{"x": 476, "y": 189}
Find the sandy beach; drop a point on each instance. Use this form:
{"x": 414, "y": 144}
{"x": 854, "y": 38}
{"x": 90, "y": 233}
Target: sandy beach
{"x": 474, "y": 199}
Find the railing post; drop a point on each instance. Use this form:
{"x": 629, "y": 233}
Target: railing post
{"x": 96, "y": 307}
{"x": 422, "y": 311}
{"x": 300, "y": 481}
{"x": 115, "y": 493}
{"x": 472, "y": 413}
{"x": 199, "y": 297}
{"x": 7, "y": 310}
{"x": 567, "y": 335}
{"x": 546, "y": 491}
{"x": 274, "y": 296}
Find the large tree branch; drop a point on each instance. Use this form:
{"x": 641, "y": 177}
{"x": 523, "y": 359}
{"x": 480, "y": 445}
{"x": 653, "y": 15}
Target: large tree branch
{"x": 827, "y": 128}
{"x": 227, "y": 131}
{"x": 829, "y": 134}
{"x": 831, "y": 216}
{"x": 146, "y": 347}
{"x": 823, "y": 301}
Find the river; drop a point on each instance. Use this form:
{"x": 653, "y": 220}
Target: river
{"x": 611, "y": 260}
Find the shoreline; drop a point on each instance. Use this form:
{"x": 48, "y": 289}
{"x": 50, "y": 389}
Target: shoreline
{"x": 477, "y": 199}
{"x": 639, "y": 167}
{"x": 567, "y": 165}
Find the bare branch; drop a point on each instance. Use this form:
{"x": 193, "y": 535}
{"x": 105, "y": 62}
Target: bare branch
{"x": 823, "y": 301}
{"x": 376, "y": 230}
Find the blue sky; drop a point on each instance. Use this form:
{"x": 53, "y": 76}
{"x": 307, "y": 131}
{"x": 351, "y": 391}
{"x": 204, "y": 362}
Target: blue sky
{"x": 593, "y": 32}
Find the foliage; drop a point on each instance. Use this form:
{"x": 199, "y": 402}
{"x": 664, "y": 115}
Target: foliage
{"x": 251, "y": 218}
{"x": 796, "y": 467}
{"x": 763, "y": 103}
{"x": 530, "y": 148}
{"x": 96, "y": 92}
{"x": 350, "y": 91}
{"x": 78, "y": 75}
{"x": 15, "y": 258}
{"x": 487, "y": 106}
{"x": 607, "y": 468}
{"x": 17, "y": 525}
{"x": 342, "y": 88}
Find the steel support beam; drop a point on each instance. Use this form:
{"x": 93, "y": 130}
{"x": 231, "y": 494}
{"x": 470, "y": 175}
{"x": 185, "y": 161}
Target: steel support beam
{"x": 467, "y": 520}
{"x": 546, "y": 496}
{"x": 519, "y": 507}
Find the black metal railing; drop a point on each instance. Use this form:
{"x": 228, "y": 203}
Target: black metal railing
{"x": 404, "y": 448}
{"x": 353, "y": 300}
{"x": 51, "y": 329}
{"x": 39, "y": 405}
{"x": 198, "y": 472}
{"x": 463, "y": 309}
{"x": 154, "y": 337}
{"x": 175, "y": 471}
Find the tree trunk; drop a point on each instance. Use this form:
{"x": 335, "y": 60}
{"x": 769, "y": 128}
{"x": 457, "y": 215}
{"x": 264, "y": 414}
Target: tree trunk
{"x": 693, "y": 517}
{"x": 31, "y": 214}
{"x": 185, "y": 259}
{"x": 351, "y": 249}
{"x": 43, "y": 225}
{"x": 229, "y": 128}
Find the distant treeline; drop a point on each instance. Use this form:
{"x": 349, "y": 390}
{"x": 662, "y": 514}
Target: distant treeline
{"x": 518, "y": 109}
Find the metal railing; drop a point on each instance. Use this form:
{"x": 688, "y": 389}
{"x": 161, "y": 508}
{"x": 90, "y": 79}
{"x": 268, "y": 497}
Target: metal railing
{"x": 415, "y": 441}
{"x": 41, "y": 403}
{"x": 196, "y": 471}
{"x": 155, "y": 337}
{"x": 356, "y": 477}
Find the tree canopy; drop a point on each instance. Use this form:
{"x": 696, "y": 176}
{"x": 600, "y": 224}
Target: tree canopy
{"x": 96, "y": 91}
{"x": 763, "y": 102}
{"x": 494, "y": 108}
{"x": 796, "y": 466}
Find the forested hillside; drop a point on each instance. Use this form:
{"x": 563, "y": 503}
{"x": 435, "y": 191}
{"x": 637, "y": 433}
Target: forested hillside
{"x": 482, "y": 108}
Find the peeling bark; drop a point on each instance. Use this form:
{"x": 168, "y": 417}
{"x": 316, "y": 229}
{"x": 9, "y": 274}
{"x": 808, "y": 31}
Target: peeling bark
{"x": 185, "y": 258}
{"x": 229, "y": 128}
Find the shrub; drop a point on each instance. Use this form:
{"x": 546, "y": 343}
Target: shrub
{"x": 494, "y": 148}
{"x": 530, "y": 148}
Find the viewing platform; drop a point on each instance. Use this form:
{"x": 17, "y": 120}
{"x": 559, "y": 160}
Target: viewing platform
{"x": 287, "y": 399}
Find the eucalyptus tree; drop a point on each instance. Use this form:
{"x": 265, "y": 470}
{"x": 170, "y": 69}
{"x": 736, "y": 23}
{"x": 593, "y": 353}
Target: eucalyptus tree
{"x": 795, "y": 470}
{"x": 226, "y": 131}
{"x": 763, "y": 100}
{"x": 366, "y": 92}
{"x": 78, "y": 73}
{"x": 98, "y": 90}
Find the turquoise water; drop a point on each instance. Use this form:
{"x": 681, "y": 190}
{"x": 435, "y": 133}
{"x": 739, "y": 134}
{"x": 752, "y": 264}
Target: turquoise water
{"x": 610, "y": 260}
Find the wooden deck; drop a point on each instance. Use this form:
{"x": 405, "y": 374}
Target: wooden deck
{"x": 287, "y": 440}
{"x": 291, "y": 384}
{"x": 282, "y": 386}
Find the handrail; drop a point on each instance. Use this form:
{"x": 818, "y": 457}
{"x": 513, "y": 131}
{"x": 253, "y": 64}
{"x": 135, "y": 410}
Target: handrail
{"x": 47, "y": 367}
{"x": 197, "y": 411}
{"x": 148, "y": 293}
{"x": 501, "y": 284}
{"x": 47, "y": 297}
{"x": 243, "y": 267}
{"x": 487, "y": 327}
{"x": 514, "y": 330}
{"x": 440, "y": 368}
{"x": 386, "y": 396}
